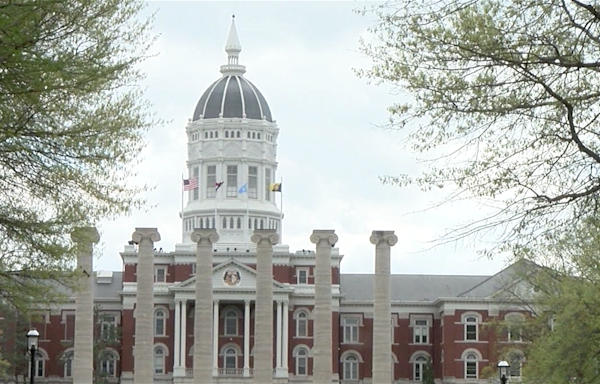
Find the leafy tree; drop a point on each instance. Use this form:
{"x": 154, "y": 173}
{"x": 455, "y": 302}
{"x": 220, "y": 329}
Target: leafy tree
{"x": 563, "y": 335}
{"x": 508, "y": 93}
{"x": 106, "y": 335}
{"x": 72, "y": 120}
{"x": 428, "y": 373}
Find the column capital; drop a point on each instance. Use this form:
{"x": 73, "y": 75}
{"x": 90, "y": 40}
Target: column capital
{"x": 384, "y": 238}
{"x": 85, "y": 235}
{"x": 141, "y": 234}
{"x": 215, "y": 301}
{"x": 324, "y": 235}
{"x": 247, "y": 301}
{"x": 264, "y": 237}
{"x": 205, "y": 236}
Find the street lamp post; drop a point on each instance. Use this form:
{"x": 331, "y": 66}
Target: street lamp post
{"x": 32, "y": 346}
{"x": 503, "y": 371}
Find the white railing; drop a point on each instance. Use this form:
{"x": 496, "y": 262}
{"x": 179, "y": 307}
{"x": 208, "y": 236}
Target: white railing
{"x": 231, "y": 372}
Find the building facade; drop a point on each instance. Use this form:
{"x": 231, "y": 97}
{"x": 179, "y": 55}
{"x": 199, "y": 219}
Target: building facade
{"x": 230, "y": 304}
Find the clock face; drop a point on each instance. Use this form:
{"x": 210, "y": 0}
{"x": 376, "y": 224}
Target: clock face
{"x": 232, "y": 277}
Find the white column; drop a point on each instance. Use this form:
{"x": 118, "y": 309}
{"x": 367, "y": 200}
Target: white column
{"x": 247, "y": 338}
{"x": 215, "y": 337}
{"x": 284, "y": 346}
{"x": 183, "y": 342}
{"x": 278, "y": 352}
{"x": 177, "y": 363}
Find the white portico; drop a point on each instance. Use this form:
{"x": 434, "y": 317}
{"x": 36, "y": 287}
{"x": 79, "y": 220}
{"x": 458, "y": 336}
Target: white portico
{"x": 234, "y": 299}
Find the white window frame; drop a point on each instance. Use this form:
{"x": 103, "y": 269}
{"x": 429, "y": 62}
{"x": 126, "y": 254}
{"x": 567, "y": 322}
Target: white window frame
{"x": 471, "y": 362}
{"x": 164, "y": 274}
{"x": 516, "y": 359}
{"x": 511, "y": 326}
{"x": 351, "y": 337}
{"x": 211, "y": 181}
{"x": 467, "y": 322}
{"x": 421, "y": 331}
{"x": 301, "y": 354}
{"x": 68, "y": 363}
{"x": 227, "y": 354}
{"x": 298, "y": 317}
{"x": 350, "y": 367}
{"x": 227, "y": 318}
{"x": 108, "y": 363}
{"x": 418, "y": 364}
{"x": 299, "y": 272}
{"x": 232, "y": 180}
{"x": 162, "y": 319}
{"x": 159, "y": 360}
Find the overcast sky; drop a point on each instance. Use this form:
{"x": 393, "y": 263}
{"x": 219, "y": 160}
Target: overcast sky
{"x": 331, "y": 148}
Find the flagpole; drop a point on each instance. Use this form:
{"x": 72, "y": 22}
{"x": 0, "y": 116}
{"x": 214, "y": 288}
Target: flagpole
{"x": 281, "y": 217}
{"x": 181, "y": 213}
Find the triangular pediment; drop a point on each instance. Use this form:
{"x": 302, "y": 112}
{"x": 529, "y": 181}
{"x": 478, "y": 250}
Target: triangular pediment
{"x": 229, "y": 274}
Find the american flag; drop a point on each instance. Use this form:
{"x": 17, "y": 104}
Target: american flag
{"x": 190, "y": 184}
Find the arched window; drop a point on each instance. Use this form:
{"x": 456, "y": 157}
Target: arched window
{"x": 471, "y": 368}
{"x": 418, "y": 367}
{"x": 68, "y": 363}
{"x": 239, "y": 223}
{"x": 230, "y": 358}
{"x": 224, "y": 222}
{"x": 211, "y": 135}
{"x": 255, "y": 223}
{"x": 108, "y": 364}
{"x": 258, "y": 136}
{"x": 159, "y": 360}
{"x": 262, "y": 224}
{"x": 231, "y": 323}
{"x": 216, "y": 135}
{"x": 201, "y": 223}
{"x": 231, "y": 223}
{"x": 206, "y": 135}
{"x": 301, "y": 362}
{"x": 248, "y": 134}
{"x": 471, "y": 323}
{"x": 249, "y": 223}
{"x": 159, "y": 322}
{"x": 238, "y": 134}
{"x": 350, "y": 364}
{"x": 227, "y": 134}
{"x": 253, "y": 135}
{"x": 212, "y": 222}
{"x": 302, "y": 324}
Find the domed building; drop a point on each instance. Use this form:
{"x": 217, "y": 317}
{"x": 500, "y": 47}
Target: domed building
{"x": 231, "y": 304}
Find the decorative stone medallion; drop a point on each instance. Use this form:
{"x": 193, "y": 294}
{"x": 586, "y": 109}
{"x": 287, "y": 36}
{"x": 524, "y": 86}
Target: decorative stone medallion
{"x": 232, "y": 277}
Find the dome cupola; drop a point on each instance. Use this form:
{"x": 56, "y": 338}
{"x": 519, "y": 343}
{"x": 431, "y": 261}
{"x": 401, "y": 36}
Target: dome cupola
{"x": 232, "y": 96}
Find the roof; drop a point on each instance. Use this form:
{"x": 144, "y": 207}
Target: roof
{"x": 359, "y": 287}
{"x": 232, "y": 96}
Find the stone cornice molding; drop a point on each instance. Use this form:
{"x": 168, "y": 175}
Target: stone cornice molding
{"x": 205, "y": 236}
{"x": 265, "y": 237}
{"x": 321, "y": 236}
{"x": 147, "y": 235}
{"x": 383, "y": 238}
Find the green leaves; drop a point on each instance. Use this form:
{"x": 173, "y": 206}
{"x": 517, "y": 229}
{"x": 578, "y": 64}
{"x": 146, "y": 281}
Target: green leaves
{"x": 508, "y": 93}
{"x": 72, "y": 125}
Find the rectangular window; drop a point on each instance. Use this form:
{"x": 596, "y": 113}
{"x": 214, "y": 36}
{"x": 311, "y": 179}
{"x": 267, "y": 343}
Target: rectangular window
{"x": 196, "y": 174}
{"x": 252, "y": 182}
{"x": 232, "y": 181}
{"x": 302, "y": 275}
{"x": 350, "y": 326}
{"x": 108, "y": 325}
{"x": 160, "y": 275}
{"x": 267, "y": 184}
{"x": 421, "y": 332}
{"x": 211, "y": 180}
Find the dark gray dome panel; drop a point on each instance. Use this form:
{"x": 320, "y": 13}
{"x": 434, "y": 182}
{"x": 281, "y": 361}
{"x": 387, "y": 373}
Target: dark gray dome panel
{"x": 232, "y": 97}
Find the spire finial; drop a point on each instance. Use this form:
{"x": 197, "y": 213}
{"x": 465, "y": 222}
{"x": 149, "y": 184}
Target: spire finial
{"x": 233, "y": 49}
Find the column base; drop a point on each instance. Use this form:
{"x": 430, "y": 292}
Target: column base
{"x": 179, "y": 372}
{"x": 246, "y": 371}
{"x": 215, "y": 372}
{"x": 281, "y": 372}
